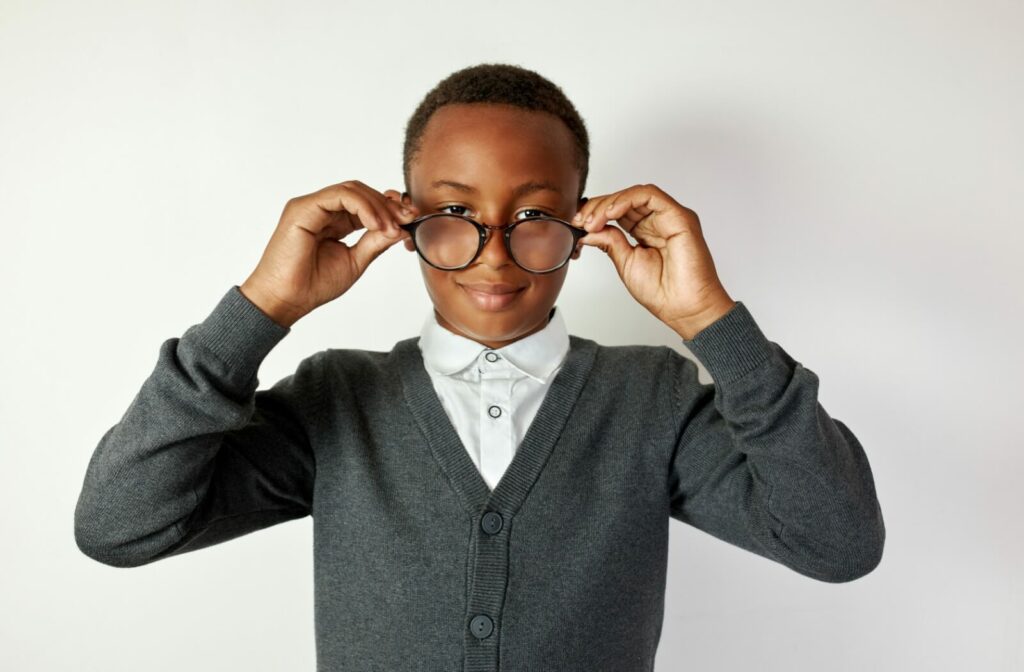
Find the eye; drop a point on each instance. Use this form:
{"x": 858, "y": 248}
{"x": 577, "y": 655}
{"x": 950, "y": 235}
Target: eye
{"x": 529, "y": 212}
{"x": 537, "y": 213}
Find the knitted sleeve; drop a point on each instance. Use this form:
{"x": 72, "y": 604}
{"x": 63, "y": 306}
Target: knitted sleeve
{"x": 200, "y": 456}
{"x": 760, "y": 464}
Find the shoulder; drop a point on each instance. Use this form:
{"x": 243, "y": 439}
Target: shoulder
{"x": 643, "y": 363}
{"x": 354, "y": 360}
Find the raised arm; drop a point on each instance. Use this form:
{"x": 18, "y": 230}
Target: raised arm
{"x": 761, "y": 465}
{"x": 200, "y": 456}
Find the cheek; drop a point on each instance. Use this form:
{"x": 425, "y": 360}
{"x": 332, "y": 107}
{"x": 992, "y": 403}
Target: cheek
{"x": 551, "y": 283}
{"x": 440, "y": 284}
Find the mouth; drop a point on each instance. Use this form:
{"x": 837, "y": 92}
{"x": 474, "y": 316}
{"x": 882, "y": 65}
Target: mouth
{"x": 491, "y": 296}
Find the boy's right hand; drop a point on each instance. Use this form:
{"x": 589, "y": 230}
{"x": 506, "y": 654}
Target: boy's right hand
{"x": 305, "y": 265}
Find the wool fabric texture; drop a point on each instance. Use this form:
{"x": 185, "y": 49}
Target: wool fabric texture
{"x": 418, "y": 563}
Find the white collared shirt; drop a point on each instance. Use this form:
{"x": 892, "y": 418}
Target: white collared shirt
{"x": 492, "y": 403}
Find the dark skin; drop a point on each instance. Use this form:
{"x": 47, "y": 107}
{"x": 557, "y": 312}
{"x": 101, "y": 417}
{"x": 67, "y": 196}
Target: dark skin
{"x": 493, "y": 149}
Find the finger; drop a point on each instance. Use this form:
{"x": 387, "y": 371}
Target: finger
{"x": 593, "y": 219}
{"x": 406, "y": 209}
{"x": 370, "y": 246}
{"x": 354, "y": 197}
{"x": 577, "y": 216}
{"x": 400, "y": 215}
{"x": 629, "y": 206}
{"x": 585, "y": 215}
{"x": 628, "y": 223}
{"x": 613, "y": 242}
{"x": 385, "y": 213}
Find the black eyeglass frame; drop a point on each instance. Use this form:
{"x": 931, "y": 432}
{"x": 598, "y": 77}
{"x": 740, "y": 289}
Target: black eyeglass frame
{"x": 485, "y": 233}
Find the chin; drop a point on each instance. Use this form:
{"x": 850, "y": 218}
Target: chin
{"x": 493, "y": 327}
{"x": 492, "y": 319}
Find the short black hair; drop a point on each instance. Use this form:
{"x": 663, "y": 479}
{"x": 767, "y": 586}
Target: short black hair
{"x": 500, "y": 83}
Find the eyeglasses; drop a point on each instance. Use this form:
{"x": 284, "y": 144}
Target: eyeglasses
{"x": 452, "y": 242}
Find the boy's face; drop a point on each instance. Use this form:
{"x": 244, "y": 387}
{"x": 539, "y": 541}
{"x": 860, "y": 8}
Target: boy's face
{"x": 492, "y": 149}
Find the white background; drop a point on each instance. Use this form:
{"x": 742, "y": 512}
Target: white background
{"x": 857, "y": 170}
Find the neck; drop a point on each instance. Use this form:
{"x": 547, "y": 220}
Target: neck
{"x": 492, "y": 344}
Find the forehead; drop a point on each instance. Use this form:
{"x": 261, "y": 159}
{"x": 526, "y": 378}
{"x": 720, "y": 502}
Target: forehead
{"x": 494, "y": 148}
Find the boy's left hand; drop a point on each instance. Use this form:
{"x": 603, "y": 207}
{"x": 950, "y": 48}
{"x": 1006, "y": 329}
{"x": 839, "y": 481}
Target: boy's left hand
{"x": 670, "y": 272}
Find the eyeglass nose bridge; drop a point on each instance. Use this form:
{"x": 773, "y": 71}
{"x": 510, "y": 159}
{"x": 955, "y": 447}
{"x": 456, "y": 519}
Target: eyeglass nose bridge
{"x": 490, "y": 227}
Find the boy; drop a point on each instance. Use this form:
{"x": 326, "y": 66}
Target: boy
{"x": 494, "y": 494}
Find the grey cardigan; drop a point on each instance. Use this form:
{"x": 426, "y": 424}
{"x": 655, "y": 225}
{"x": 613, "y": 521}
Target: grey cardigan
{"x": 418, "y": 565}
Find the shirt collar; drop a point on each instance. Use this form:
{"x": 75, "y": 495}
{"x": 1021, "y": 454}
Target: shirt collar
{"x": 537, "y": 355}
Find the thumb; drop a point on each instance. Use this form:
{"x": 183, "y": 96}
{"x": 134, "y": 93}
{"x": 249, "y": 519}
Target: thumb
{"x": 370, "y": 246}
{"x": 613, "y": 242}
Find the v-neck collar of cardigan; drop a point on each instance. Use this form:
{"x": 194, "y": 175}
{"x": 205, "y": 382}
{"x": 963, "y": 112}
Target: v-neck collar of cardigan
{"x": 536, "y": 355}
{"x": 536, "y": 446}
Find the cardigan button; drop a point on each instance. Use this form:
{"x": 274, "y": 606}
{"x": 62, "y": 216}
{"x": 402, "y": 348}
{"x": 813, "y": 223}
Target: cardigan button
{"x": 494, "y": 411}
{"x": 491, "y": 522}
{"x": 491, "y": 357}
{"x": 481, "y": 626}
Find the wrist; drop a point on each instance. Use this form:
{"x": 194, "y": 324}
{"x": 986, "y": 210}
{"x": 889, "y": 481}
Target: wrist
{"x": 278, "y": 311}
{"x": 692, "y": 325}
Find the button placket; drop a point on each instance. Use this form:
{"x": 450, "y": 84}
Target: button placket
{"x": 495, "y": 417}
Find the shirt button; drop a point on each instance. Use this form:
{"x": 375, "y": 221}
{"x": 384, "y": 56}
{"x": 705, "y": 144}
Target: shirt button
{"x": 481, "y": 626}
{"x": 494, "y": 411}
{"x": 491, "y": 522}
{"x": 491, "y": 357}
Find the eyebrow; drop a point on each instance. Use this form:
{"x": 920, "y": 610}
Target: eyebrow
{"x": 521, "y": 190}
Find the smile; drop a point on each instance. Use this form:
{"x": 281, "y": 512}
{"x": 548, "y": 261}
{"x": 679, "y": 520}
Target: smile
{"x": 492, "y": 297}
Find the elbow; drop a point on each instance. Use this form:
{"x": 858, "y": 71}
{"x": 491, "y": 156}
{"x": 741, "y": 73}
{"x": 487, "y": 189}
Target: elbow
{"x": 103, "y": 554}
{"x": 861, "y": 555}
{"x": 856, "y": 566}
{"x": 849, "y": 552}
{"x": 92, "y": 544}
{"x": 98, "y": 541}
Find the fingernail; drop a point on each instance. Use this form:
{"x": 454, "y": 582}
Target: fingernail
{"x": 577, "y": 217}
{"x": 406, "y": 211}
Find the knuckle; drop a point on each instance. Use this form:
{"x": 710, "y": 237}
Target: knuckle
{"x": 294, "y": 204}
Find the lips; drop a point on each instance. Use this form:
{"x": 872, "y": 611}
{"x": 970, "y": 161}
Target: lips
{"x": 492, "y": 287}
{"x": 491, "y": 295}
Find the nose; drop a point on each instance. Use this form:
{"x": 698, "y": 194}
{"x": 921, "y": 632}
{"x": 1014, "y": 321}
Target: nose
{"x": 494, "y": 253}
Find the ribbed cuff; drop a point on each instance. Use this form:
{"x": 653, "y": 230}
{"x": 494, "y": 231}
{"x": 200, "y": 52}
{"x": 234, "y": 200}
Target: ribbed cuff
{"x": 238, "y": 332}
{"x": 731, "y": 346}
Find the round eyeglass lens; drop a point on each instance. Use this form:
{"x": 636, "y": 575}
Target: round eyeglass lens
{"x": 447, "y": 242}
{"x": 540, "y": 245}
